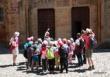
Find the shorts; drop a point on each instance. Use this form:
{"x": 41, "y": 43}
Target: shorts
{"x": 15, "y": 51}
{"x": 88, "y": 53}
{"x": 57, "y": 60}
{"x": 35, "y": 58}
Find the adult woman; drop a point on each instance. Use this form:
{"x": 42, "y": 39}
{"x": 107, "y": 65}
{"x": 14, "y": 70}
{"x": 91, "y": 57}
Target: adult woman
{"x": 14, "y": 44}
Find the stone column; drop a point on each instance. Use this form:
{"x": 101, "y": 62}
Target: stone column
{"x": 12, "y": 21}
{"x": 2, "y": 22}
{"x": 63, "y": 22}
{"x": 99, "y": 19}
{"x": 34, "y": 22}
{"x": 106, "y": 26}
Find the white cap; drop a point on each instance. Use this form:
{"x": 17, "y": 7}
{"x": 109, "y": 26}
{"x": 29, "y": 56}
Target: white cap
{"x": 39, "y": 39}
{"x": 16, "y": 33}
{"x": 88, "y": 30}
{"x": 32, "y": 37}
{"x": 71, "y": 39}
{"x": 51, "y": 42}
{"x": 45, "y": 42}
{"x": 29, "y": 39}
{"x": 59, "y": 39}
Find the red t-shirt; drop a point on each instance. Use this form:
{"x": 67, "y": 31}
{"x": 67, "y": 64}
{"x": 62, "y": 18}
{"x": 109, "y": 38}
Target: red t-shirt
{"x": 43, "y": 52}
{"x": 87, "y": 41}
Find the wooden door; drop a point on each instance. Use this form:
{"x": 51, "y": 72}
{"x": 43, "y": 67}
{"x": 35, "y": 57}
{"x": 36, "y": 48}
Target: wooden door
{"x": 46, "y": 19}
{"x": 80, "y": 19}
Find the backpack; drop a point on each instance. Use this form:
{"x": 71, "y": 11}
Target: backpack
{"x": 82, "y": 43}
{"x": 93, "y": 42}
{"x": 12, "y": 46}
{"x": 64, "y": 52}
{"x": 25, "y": 54}
{"x": 50, "y": 54}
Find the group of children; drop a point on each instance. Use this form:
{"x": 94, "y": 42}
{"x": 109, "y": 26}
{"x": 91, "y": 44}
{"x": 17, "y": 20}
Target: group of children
{"x": 57, "y": 54}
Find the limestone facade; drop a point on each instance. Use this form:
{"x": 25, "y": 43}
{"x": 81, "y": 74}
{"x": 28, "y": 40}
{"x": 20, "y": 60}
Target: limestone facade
{"x": 22, "y": 16}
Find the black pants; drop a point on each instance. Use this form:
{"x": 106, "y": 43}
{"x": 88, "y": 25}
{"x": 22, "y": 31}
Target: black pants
{"x": 80, "y": 59}
{"x": 51, "y": 63}
{"x": 64, "y": 64}
{"x": 39, "y": 59}
{"x": 44, "y": 64}
{"x": 84, "y": 57}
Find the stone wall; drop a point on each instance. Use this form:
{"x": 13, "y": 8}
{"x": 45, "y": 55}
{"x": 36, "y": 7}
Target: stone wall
{"x": 2, "y": 22}
{"x": 63, "y": 14}
{"x": 21, "y": 15}
{"x": 106, "y": 26}
{"x": 12, "y": 19}
{"x": 22, "y": 20}
{"x": 63, "y": 22}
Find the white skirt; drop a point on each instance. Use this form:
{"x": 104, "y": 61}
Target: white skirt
{"x": 15, "y": 51}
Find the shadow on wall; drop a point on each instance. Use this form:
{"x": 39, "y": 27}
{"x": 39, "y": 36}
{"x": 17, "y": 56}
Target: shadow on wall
{"x": 103, "y": 46}
{"x": 4, "y": 49}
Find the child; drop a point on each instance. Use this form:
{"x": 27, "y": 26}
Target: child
{"x": 35, "y": 58}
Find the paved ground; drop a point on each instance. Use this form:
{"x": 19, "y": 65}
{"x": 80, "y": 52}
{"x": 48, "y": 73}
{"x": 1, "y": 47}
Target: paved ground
{"x": 101, "y": 61}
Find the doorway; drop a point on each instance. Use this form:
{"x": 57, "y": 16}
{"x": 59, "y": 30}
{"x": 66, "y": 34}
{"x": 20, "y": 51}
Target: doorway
{"x": 80, "y": 19}
{"x": 46, "y": 19}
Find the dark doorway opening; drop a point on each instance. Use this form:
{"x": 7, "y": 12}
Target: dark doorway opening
{"x": 78, "y": 25}
{"x": 80, "y": 19}
{"x": 46, "y": 19}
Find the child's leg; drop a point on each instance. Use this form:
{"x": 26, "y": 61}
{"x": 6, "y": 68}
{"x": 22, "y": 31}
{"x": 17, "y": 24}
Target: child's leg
{"x": 32, "y": 65}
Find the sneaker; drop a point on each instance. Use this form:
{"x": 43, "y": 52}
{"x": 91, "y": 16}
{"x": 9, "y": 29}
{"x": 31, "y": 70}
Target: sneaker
{"x": 92, "y": 67}
{"x": 14, "y": 64}
{"x": 45, "y": 71}
{"x": 61, "y": 71}
{"x": 32, "y": 69}
{"x": 66, "y": 71}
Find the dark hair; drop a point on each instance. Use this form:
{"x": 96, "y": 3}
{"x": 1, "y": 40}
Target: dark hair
{"x": 78, "y": 34}
{"x": 43, "y": 45}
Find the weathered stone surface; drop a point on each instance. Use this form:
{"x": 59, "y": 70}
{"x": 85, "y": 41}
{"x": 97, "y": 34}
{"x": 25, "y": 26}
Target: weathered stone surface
{"x": 63, "y": 23}
{"x": 21, "y": 15}
{"x": 106, "y": 25}
{"x": 62, "y": 3}
{"x": 82, "y": 1}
